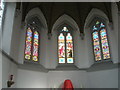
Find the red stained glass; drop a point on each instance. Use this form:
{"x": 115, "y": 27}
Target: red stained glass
{"x": 69, "y": 45}
{"x": 61, "y": 48}
{"x": 35, "y": 46}
{"x": 105, "y": 47}
{"x": 96, "y": 44}
{"x": 101, "y": 47}
{"x": 28, "y": 44}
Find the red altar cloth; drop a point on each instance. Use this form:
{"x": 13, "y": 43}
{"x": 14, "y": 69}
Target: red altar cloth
{"x": 67, "y": 85}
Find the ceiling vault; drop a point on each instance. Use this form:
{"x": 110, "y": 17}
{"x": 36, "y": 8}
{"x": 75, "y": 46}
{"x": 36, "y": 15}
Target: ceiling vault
{"x": 76, "y": 10}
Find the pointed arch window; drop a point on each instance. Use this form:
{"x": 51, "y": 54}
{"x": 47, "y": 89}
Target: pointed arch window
{"x": 32, "y": 45}
{"x": 65, "y": 46}
{"x": 100, "y": 41}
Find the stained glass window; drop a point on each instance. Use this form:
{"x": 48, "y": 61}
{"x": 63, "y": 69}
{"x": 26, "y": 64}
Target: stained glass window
{"x": 61, "y": 45}
{"x": 69, "y": 45}
{"x": 104, "y": 41}
{"x": 65, "y": 46}
{"x": 100, "y": 42}
{"x": 35, "y": 46}
{"x": 32, "y": 45}
{"x": 96, "y": 44}
{"x": 28, "y": 44}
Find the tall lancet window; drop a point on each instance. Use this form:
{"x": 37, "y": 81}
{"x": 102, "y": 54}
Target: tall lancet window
{"x": 100, "y": 42}
{"x": 32, "y": 44}
{"x": 65, "y": 46}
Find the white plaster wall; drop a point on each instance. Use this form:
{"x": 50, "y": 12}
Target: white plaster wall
{"x": 31, "y": 79}
{"x": 8, "y": 68}
{"x": 80, "y": 79}
{"x": 89, "y": 55}
{"x": 115, "y": 19}
{"x": 22, "y": 45}
{"x": 52, "y": 53}
{"x": 16, "y": 33}
{"x": 43, "y": 51}
{"x": 52, "y": 79}
{"x": 8, "y": 26}
{"x": 103, "y": 79}
{"x": 114, "y": 30}
{"x": 81, "y": 60}
{"x": 57, "y": 78}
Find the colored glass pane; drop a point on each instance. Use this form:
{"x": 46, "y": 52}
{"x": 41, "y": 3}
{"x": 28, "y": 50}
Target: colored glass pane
{"x": 35, "y": 46}
{"x": 104, "y": 42}
{"x": 69, "y": 47}
{"x": 61, "y": 48}
{"x": 28, "y": 44}
{"x": 65, "y": 29}
{"x": 96, "y": 43}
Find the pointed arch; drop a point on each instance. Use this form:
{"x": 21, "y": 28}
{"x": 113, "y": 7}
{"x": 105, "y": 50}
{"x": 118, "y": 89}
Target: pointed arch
{"x": 66, "y": 28}
{"x": 35, "y": 21}
{"x": 36, "y": 12}
{"x": 96, "y": 28}
{"x": 65, "y": 19}
{"x": 95, "y": 13}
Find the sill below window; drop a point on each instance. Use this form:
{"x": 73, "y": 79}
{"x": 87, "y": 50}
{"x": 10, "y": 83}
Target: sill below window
{"x": 103, "y": 61}
{"x": 30, "y": 62}
{"x": 104, "y": 65}
{"x": 67, "y": 67}
{"x": 34, "y": 66}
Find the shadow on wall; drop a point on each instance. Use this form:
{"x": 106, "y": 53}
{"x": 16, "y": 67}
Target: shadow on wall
{"x": 61, "y": 85}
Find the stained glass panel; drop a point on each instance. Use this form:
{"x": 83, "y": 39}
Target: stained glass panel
{"x": 96, "y": 43}
{"x": 61, "y": 48}
{"x": 105, "y": 47}
{"x": 69, "y": 46}
{"x": 35, "y": 46}
{"x": 28, "y": 44}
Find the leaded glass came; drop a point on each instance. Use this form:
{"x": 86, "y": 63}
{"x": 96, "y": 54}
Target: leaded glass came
{"x": 100, "y": 42}
{"x": 65, "y": 46}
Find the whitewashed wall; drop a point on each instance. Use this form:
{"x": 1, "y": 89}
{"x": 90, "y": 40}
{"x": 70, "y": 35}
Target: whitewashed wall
{"x": 31, "y": 79}
{"x": 8, "y": 27}
{"x": 8, "y": 68}
{"x": 103, "y": 79}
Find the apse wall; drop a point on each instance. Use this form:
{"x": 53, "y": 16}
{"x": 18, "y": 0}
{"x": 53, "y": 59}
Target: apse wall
{"x": 8, "y": 65}
{"x": 80, "y": 79}
{"x": 103, "y": 78}
{"x": 52, "y": 79}
{"x": 8, "y": 68}
{"x": 31, "y": 79}
{"x": 34, "y": 79}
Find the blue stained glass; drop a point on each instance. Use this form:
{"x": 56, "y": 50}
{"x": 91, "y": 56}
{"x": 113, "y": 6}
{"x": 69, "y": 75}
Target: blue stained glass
{"x": 95, "y": 36}
{"x": 102, "y": 25}
{"x": 36, "y": 36}
{"x": 61, "y": 60}
{"x": 61, "y": 37}
{"x": 70, "y": 60}
{"x": 94, "y": 28}
{"x": 100, "y": 36}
